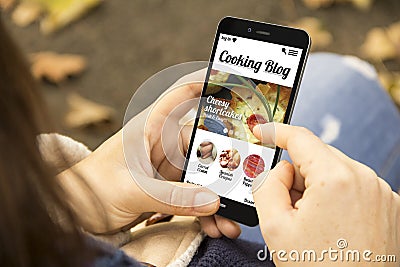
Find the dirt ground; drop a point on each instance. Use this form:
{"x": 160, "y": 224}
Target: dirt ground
{"x": 126, "y": 42}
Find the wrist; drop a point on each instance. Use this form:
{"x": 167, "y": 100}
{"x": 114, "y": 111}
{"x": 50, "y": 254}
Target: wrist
{"x": 79, "y": 194}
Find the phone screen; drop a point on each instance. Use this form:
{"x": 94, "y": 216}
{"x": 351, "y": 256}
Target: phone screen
{"x": 249, "y": 82}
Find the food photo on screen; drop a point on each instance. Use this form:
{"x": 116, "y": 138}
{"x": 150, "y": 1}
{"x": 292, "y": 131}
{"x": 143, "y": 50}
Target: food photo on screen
{"x": 232, "y": 105}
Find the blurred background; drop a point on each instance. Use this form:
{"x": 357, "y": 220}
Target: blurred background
{"x": 90, "y": 56}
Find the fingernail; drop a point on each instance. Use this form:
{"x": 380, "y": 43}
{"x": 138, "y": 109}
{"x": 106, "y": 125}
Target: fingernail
{"x": 266, "y": 133}
{"x": 280, "y": 164}
{"x": 259, "y": 180}
{"x": 205, "y": 201}
{"x": 257, "y": 130}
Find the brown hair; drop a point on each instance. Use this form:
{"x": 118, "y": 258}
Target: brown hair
{"x": 28, "y": 234}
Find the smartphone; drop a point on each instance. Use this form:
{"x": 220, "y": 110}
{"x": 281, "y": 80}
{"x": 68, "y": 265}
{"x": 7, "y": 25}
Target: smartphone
{"x": 253, "y": 77}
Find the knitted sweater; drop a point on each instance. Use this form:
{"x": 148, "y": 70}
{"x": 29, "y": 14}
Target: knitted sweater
{"x": 212, "y": 252}
{"x": 227, "y": 252}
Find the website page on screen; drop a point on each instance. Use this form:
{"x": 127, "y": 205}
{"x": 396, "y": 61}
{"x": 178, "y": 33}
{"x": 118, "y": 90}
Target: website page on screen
{"x": 250, "y": 83}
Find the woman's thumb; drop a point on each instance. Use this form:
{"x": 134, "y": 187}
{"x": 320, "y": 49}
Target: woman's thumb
{"x": 178, "y": 198}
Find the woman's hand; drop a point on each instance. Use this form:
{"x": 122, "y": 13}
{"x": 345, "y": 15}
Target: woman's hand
{"x": 117, "y": 180}
{"x": 322, "y": 197}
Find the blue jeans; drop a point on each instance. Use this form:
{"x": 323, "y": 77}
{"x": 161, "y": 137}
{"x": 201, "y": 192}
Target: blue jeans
{"x": 341, "y": 101}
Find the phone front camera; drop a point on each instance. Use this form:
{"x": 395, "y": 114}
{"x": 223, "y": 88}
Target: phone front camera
{"x": 249, "y": 30}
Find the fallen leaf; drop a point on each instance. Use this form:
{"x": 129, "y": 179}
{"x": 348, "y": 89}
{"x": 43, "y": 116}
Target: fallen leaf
{"x": 386, "y": 79}
{"x": 83, "y": 112}
{"x": 56, "y": 67}
{"x": 315, "y": 4}
{"x": 378, "y": 44}
{"x": 395, "y": 93}
{"x": 395, "y": 89}
{"x": 26, "y": 13}
{"x": 362, "y": 4}
{"x": 63, "y": 12}
{"x": 391, "y": 82}
{"x": 393, "y": 33}
{"x": 319, "y": 36}
{"x": 6, "y": 4}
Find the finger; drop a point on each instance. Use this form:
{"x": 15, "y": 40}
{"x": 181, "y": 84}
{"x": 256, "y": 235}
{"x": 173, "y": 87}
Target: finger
{"x": 227, "y": 227}
{"x": 174, "y": 198}
{"x": 142, "y": 217}
{"x": 209, "y": 226}
{"x": 295, "y": 196}
{"x": 185, "y": 134}
{"x": 187, "y": 88}
{"x": 345, "y": 159}
{"x": 304, "y": 148}
{"x": 265, "y": 133}
{"x": 272, "y": 198}
{"x": 298, "y": 183}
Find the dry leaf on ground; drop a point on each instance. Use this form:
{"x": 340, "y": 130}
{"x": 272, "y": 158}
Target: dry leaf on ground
{"x": 319, "y": 36}
{"x": 386, "y": 80}
{"x": 395, "y": 92}
{"x": 391, "y": 82}
{"x": 360, "y": 4}
{"x": 83, "y": 112}
{"x": 26, "y": 13}
{"x": 382, "y": 43}
{"x": 315, "y": 4}
{"x": 63, "y": 12}
{"x": 377, "y": 45}
{"x": 58, "y": 13}
{"x": 56, "y": 67}
{"x": 6, "y": 4}
{"x": 393, "y": 33}
{"x": 395, "y": 89}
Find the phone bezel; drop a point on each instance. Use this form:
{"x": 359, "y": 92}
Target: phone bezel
{"x": 278, "y": 34}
